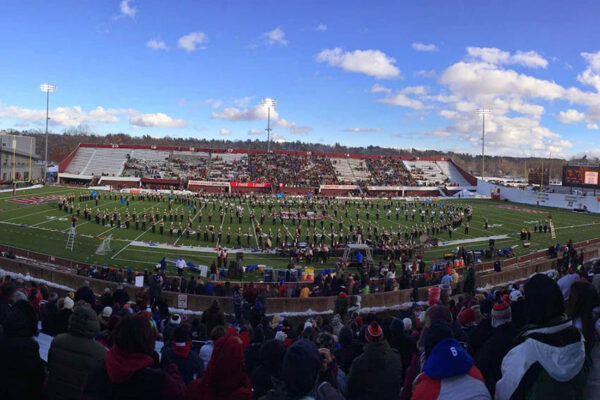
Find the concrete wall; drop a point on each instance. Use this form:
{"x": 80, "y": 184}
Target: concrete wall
{"x": 512, "y": 271}
{"x": 560, "y": 200}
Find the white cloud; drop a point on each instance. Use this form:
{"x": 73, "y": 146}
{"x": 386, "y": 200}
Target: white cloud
{"x": 243, "y": 102}
{"x": 292, "y": 126}
{"x": 362, "y": 130}
{"x": 277, "y": 138}
{"x": 592, "y": 126}
{"x": 127, "y": 10}
{"x": 570, "y": 116}
{"x": 192, "y": 40}
{"x": 418, "y": 90}
{"x": 370, "y": 62}
{"x": 255, "y": 132}
{"x": 156, "y": 44}
{"x": 75, "y": 116}
{"x": 276, "y": 36}
{"x": 224, "y": 132}
{"x": 495, "y": 56}
{"x": 63, "y": 116}
{"x": 424, "y": 73}
{"x": 402, "y": 100}
{"x": 591, "y": 76}
{"x": 418, "y": 46}
{"x": 256, "y": 113}
{"x": 321, "y": 27}
{"x": 154, "y": 120}
{"x": 214, "y": 103}
{"x": 377, "y": 88}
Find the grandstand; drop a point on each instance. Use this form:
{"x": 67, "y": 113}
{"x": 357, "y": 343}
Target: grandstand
{"x": 290, "y": 172}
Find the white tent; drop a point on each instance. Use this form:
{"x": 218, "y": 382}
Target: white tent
{"x": 465, "y": 194}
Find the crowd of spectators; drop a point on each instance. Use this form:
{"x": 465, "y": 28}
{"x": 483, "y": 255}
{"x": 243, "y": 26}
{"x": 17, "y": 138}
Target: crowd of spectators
{"x": 291, "y": 170}
{"x": 390, "y": 172}
{"x": 536, "y": 339}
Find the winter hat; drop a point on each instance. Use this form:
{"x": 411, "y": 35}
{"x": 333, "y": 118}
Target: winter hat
{"x": 301, "y": 366}
{"x": 466, "y": 317}
{"x": 407, "y": 324}
{"x": 107, "y": 312}
{"x": 501, "y": 314}
{"x": 485, "y": 307}
{"x": 515, "y": 295}
{"x": 280, "y": 335}
{"x": 543, "y": 300}
{"x": 374, "y": 332}
{"x": 53, "y": 297}
{"x": 437, "y": 332}
{"x": 396, "y": 327}
{"x": 175, "y": 319}
{"x": 437, "y": 313}
{"x": 68, "y": 303}
{"x": 84, "y": 322}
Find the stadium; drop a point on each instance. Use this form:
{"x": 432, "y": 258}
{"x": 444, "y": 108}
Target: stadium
{"x": 162, "y": 246}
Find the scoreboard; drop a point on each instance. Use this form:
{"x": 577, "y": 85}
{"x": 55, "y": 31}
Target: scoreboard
{"x": 587, "y": 176}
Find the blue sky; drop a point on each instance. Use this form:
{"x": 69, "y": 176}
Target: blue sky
{"x": 391, "y": 73}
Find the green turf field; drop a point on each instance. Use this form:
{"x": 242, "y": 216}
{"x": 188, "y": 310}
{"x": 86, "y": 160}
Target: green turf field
{"x": 43, "y": 227}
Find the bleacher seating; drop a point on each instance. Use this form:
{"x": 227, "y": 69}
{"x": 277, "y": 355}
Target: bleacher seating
{"x": 98, "y": 161}
{"x": 301, "y": 173}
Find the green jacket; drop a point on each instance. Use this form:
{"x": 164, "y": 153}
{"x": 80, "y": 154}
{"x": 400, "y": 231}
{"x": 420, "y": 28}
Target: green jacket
{"x": 376, "y": 373}
{"x": 73, "y": 355}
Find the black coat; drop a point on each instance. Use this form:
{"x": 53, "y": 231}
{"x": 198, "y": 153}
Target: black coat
{"x": 22, "y": 371}
{"x": 489, "y": 358}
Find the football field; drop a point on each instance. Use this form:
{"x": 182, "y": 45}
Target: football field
{"x": 33, "y": 220}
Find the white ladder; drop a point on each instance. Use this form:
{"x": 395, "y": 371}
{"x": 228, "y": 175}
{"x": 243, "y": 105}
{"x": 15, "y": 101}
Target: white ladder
{"x": 70, "y": 239}
{"x": 552, "y": 231}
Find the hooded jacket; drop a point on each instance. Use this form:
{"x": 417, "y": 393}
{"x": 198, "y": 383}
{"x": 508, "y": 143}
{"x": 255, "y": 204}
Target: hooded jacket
{"x": 449, "y": 374}
{"x": 187, "y": 360}
{"x": 73, "y": 355}
{"x": 224, "y": 377}
{"x": 549, "y": 363}
{"x": 376, "y": 373}
{"x": 125, "y": 376}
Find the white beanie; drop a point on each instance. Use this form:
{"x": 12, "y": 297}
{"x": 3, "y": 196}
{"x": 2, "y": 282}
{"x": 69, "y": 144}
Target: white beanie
{"x": 407, "y": 324}
{"x": 107, "y": 312}
{"x": 280, "y": 336}
{"x": 68, "y": 304}
{"x": 175, "y": 319}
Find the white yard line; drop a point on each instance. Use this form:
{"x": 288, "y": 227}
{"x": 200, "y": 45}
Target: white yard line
{"x": 253, "y": 225}
{"x": 139, "y": 236}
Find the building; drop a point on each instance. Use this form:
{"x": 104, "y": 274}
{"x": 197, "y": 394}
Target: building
{"x": 18, "y": 161}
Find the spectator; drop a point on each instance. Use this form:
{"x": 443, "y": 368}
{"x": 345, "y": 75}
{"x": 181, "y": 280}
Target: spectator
{"x": 131, "y": 368}
{"x": 22, "y": 371}
{"x": 270, "y": 362}
{"x": 206, "y": 350}
{"x": 582, "y": 307}
{"x": 73, "y": 355}
{"x": 224, "y": 378}
{"x": 448, "y": 372}
{"x": 300, "y": 371}
{"x": 348, "y": 349}
{"x": 188, "y": 362}
{"x": 65, "y": 305}
{"x": 120, "y": 296}
{"x": 489, "y": 358}
{"x": 213, "y": 316}
{"x": 49, "y": 314}
{"x": 549, "y": 360}
{"x": 7, "y": 299}
{"x": 383, "y": 382}
{"x": 86, "y": 294}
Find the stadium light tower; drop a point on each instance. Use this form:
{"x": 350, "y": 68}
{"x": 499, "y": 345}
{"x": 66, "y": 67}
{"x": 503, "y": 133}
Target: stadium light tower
{"x": 48, "y": 88}
{"x": 269, "y": 103}
{"x": 483, "y": 112}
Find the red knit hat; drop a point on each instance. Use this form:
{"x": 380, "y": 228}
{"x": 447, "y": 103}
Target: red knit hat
{"x": 466, "y": 317}
{"x": 374, "y": 332}
{"x": 501, "y": 314}
{"x": 343, "y": 295}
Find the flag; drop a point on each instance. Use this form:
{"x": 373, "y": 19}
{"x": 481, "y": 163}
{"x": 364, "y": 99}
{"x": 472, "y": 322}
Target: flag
{"x": 94, "y": 194}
